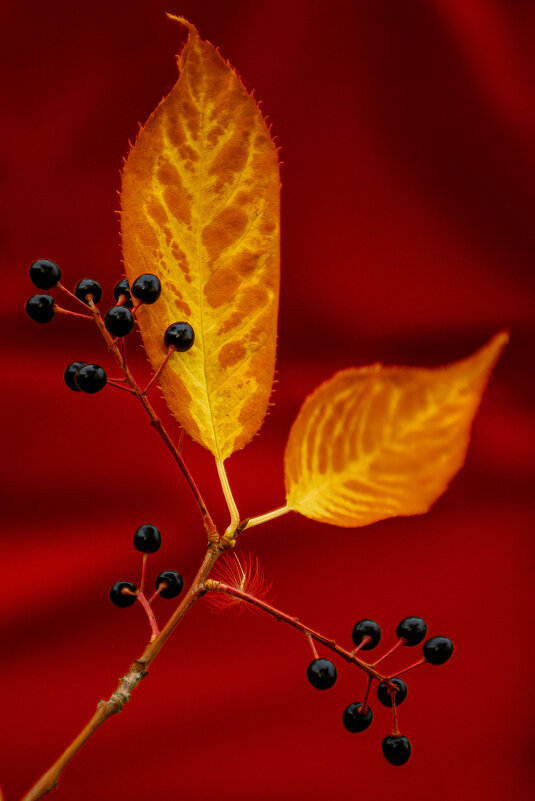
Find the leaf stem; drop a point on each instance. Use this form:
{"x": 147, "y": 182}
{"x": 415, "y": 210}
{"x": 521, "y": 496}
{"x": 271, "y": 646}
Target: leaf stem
{"x": 231, "y": 503}
{"x": 256, "y": 521}
{"x": 282, "y": 617}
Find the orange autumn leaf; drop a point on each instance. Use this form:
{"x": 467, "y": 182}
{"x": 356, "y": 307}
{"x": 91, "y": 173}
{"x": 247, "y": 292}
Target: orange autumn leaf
{"x": 377, "y": 442}
{"x": 200, "y": 209}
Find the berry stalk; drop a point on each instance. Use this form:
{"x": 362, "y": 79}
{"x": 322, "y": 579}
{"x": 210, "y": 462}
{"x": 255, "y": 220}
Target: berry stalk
{"x": 282, "y": 617}
{"x": 156, "y": 423}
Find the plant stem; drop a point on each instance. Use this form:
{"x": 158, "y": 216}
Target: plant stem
{"x": 150, "y": 614}
{"x": 137, "y": 671}
{"x": 422, "y": 661}
{"x": 256, "y": 521}
{"x": 156, "y": 423}
{"x": 170, "y": 352}
{"x": 231, "y": 503}
{"x": 282, "y": 617}
{"x": 397, "y": 645}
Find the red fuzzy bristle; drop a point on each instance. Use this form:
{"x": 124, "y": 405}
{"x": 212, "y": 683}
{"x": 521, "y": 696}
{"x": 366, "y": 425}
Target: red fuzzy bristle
{"x": 242, "y": 572}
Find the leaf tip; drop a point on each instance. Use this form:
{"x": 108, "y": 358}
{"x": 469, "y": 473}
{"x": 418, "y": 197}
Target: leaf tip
{"x": 487, "y": 356}
{"x": 498, "y": 342}
{"x": 180, "y": 19}
{"x": 192, "y": 30}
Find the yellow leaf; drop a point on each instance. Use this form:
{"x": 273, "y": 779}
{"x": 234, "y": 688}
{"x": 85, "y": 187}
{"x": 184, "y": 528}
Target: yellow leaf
{"x": 377, "y": 442}
{"x": 200, "y": 209}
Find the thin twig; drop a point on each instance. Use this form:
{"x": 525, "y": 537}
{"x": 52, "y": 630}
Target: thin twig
{"x": 61, "y": 310}
{"x": 282, "y": 617}
{"x": 397, "y": 645}
{"x": 422, "y": 661}
{"x": 159, "y": 370}
{"x": 137, "y": 671}
{"x": 362, "y": 709}
{"x": 76, "y": 299}
{"x": 150, "y": 614}
{"x": 156, "y": 423}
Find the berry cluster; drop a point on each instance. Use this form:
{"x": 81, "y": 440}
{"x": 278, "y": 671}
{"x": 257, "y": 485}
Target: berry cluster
{"x": 391, "y": 690}
{"x": 119, "y": 320}
{"x": 168, "y": 584}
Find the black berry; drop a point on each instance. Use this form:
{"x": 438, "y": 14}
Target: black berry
{"x": 70, "y": 372}
{"x": 120, "y": 598}
{"x": 322, "y": 674}
{"x": 397, "y": 749}
{"x": 119, "y": 321}
{"x": 366, "y": 628}
{"x": 147, "y": 539}
{"x": 174, "y": 582}
{"x": 40, "y": 308}
{"x": 180, "y": 335}
{"x": 384, "y": 696}
{"x": 90, "y": 378}
{"x": 356, "y": 721}
{"x": 438, "y": 650}
{"x": 147, "y": 288}
{"x": 87, "y": 287}
{"x": 44, "y": 274}
{"x": 123, "y": 288}
{"x": 412, "y": 630}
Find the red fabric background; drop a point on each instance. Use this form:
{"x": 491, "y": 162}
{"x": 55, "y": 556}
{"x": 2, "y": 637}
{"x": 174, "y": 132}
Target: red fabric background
{"x": 407, "y": 133}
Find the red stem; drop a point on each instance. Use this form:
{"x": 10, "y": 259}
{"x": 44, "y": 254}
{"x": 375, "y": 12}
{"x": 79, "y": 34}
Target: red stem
{"x": 362, "y": 710}
{"x": 71, "y": 295}
{"x": 159, "y": 370}
{"x": 401, "y": 641}
{"x": 366, "y": 639}
{"x": 421, "y": 661}
{"x": 61, "y": 310}
{"x": 150, "y": 614}
{"x": 158, "y": 591}
{"x": 282, "y": 617}
{"x": 314, "y": 649}
{"x": 157, "y": 424}
{"x": 395, "y": 727}
{"x": 143, "y": 571}
{"x": 119, "y": 386}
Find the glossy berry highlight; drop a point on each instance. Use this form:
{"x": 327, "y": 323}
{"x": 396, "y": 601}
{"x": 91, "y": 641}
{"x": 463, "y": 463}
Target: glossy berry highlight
{"x": 44, "y": 274}
{"x": 70, "y": 372}
{"x": 412, "y": 630}
{"x": 180, "y": 335}
{"x": 397, "y": 749}
{"x": 147, "y": 539}
{"x": 384, "y": 696}
{"x": 87, "y": 287}
{"x": 40, "y": 308}
{"x": 119, "y": 597}
{"x": 123, "y": 288}
{"x": 147, "y": 288}
{"x": 90, "y": 379}
{"x": 355, "y": 720}
{"x": 173, "y": 581}
{"x": 437, "y": 650}
{"x": 366, "y": 628}
{"x": 322, "y": 674}
{"x": 119, "y": 321}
